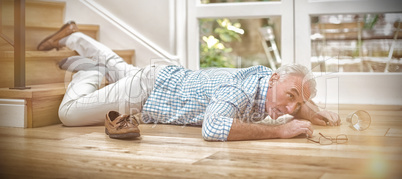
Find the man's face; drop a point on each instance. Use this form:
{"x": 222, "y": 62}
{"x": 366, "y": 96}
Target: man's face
{"x": 285, "y": 96}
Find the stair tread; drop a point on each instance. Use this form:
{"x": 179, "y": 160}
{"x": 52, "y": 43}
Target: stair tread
{"x": 35, "y": 32}
{"x": 63, "y": 52}
{"x": 52, "y": 3}
{"x": 41, "y": 90}
{"x": 40, "y": 64}
{"x": 80, "y": 26}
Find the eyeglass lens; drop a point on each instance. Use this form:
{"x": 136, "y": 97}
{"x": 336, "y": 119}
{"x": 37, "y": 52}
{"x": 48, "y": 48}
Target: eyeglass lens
{"x": 326, "y": 140}
{"x": 340, "y": 139}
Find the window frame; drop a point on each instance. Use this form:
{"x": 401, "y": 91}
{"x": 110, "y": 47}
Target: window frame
{"x": 306, "y": 8}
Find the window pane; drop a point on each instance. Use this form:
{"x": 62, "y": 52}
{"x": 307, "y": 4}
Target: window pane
{"x": 240, "y": 42}
{"x": 356, "y": 42}
{"x": 233, "y": 1}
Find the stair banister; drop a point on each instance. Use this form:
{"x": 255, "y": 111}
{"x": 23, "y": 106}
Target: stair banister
{"x": 19, "y": 45}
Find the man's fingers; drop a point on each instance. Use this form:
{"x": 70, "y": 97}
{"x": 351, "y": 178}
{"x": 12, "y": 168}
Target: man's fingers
{"x": 319, "y": 121}
{"x": 330, "y": 122}
{"x": 297, "y": 127}
{"x": 338, "y": 119}
{"x": 307, "y": 128}
{"x": 310, "y": 127}
{"x": 309, "y": 132}
{"x": 334, "y": 119}
{"x": 326, "y": 118}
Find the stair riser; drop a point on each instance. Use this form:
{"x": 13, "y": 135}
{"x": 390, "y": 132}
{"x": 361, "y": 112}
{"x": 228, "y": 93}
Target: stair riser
{"x": 45, "y": 111}
{"x": 42, "y": 69}
{"x": 34, "y": 35}
{"x": 37, "y": 13}
{"x": 37, "y": 72}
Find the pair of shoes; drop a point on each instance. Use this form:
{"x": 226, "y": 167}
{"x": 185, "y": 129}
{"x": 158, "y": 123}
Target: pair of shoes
{"x": 121, "y": 126}
{"x": 53, "y": 41}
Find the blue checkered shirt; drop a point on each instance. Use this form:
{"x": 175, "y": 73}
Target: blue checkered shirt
{"x": 211, "y": 98}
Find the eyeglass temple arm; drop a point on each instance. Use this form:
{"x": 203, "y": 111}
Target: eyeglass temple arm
{"x": 324, "y": 136}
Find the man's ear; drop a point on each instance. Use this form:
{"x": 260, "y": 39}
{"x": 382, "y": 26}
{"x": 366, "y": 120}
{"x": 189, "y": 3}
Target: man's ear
{"x": 275, "y": 77}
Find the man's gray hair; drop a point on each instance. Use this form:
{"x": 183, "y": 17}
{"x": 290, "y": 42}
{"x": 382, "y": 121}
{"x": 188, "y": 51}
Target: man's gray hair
{"x": 299, "y": 70}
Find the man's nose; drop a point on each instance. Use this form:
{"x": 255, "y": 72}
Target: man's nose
{"x": 293, "y": 107}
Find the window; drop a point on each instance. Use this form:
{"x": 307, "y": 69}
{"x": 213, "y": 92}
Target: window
{"x": 348, "y": 71}
{"x": 356, "y": 42}
{"x": 240, "y": 42}
{"x": 255, "y": 18}
{"x": 356, "y": 84}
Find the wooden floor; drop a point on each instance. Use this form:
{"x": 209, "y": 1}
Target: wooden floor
{"x": 167, "y": 151}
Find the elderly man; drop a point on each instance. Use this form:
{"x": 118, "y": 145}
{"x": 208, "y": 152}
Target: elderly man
{"x": 226, "y": 102}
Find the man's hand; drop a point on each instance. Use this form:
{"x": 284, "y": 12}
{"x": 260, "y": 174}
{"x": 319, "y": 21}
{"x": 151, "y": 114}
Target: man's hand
{"x": 295, "y": 128}
{"x": 311, "y": 112}
{"x": 324, "y": 118}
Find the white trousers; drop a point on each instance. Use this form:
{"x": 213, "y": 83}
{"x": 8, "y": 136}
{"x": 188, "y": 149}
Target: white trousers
{"x": 84, "y": 103}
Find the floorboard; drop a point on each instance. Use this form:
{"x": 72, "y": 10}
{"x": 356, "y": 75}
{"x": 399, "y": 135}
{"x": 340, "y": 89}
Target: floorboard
{"x": 169, "y": 151}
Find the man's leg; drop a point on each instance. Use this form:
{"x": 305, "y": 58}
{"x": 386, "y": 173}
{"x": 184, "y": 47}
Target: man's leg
{"x": 83, "y": 104}
{"x": 92, "y": 49}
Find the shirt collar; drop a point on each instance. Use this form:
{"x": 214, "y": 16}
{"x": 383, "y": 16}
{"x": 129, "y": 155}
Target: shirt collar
{"x": 262, "y": 93}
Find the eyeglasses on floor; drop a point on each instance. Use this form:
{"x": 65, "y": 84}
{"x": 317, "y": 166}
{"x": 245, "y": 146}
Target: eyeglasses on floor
{"x": 325, "y": 140}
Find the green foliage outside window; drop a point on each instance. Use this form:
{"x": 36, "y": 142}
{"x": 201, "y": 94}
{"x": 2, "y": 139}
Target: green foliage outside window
{"x": 215, "y": 48}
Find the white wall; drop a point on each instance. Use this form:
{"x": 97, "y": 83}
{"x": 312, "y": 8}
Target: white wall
{"x": 144, "y": 22}
{"x": 359, "y": 88}
{"x": 148, "y": 17}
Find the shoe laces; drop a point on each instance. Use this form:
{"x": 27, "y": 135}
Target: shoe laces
{"x": 125, "y": 121}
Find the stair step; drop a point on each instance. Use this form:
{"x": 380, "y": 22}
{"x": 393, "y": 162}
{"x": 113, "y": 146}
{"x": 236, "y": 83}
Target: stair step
{"x": 42, "y": 102}
{"x": 46, "y": 80}
{"x": 44, "y": 13}
{"x": 5, "y": 46}
{"x": 35, "y": 34}
{"x": 42, "y": 66}
{"x": 60, "y": 54}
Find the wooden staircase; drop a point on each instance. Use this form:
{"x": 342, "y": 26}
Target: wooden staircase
{"x": 46, "y": 80}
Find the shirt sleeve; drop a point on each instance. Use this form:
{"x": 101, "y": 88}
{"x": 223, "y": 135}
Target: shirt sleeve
{"x": 228, "y": 102}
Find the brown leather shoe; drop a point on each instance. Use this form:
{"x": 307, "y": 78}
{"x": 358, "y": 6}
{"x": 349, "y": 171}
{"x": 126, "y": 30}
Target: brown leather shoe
{"x": 53, "y": 40}
{"x": 121, "y": 126}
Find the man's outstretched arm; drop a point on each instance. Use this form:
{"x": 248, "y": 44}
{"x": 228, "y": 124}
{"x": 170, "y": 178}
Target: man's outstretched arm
{"x": 251, "y": 131}
{"x": 219, "y": 125}
{"x": 221, "y": 121}
{"x": 311, "y": 112}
